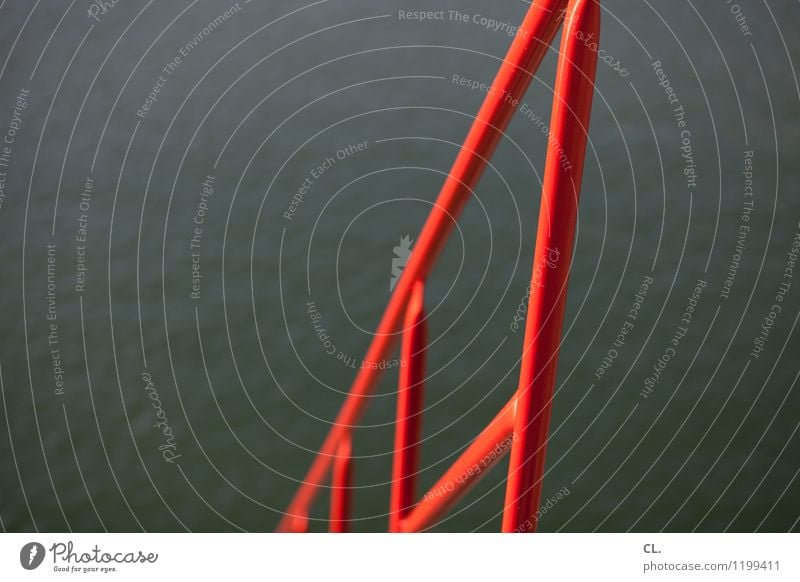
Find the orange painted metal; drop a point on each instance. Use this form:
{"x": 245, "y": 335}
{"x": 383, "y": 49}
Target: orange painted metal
{"x": 488, "y": 448}
{"x": 342, "y": 487}
{"x": 522, "y": 424}
{"x": 410, "y": 395}
{"x": 569, "y": 128}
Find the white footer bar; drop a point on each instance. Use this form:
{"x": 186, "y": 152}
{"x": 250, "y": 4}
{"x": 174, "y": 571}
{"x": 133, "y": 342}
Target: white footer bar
{"x": 401, "y": 558}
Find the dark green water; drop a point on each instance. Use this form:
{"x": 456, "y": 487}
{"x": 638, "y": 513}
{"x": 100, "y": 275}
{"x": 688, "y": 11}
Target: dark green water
{"x": 139, "y": 395}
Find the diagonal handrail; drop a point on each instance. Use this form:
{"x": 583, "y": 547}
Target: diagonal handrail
{"x": 522, "y": 424}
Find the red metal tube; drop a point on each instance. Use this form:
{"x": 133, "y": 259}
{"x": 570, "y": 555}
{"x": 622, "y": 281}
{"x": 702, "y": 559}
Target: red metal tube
{"x": 488, "y": 448}
{"x": 529, "y": 46}
{"x": 341, "y": 487}
{"x": 410, "y": 396}
{"x": 556, "y": 231}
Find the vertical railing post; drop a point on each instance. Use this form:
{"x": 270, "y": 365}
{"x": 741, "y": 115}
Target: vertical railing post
{"x": 569, "y": 126}
{"x": 341, "y": 487}
{"x": 410, "y": 396}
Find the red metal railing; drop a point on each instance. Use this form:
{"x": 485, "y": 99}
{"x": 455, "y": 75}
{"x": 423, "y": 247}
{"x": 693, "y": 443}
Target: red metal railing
{"x": 522, "y": 425}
